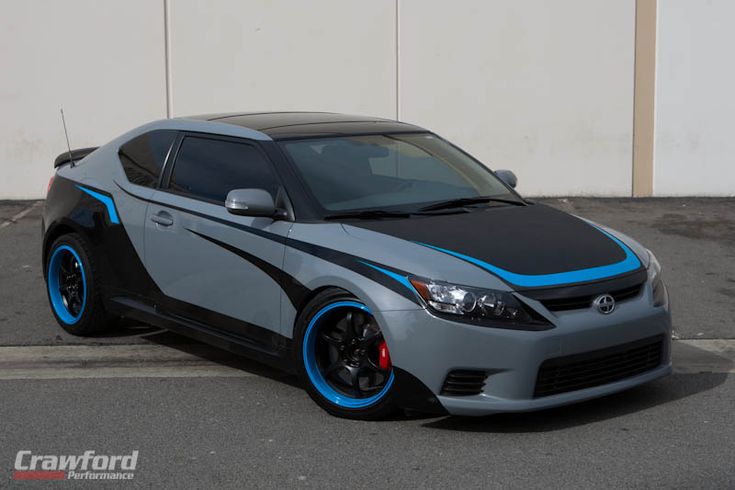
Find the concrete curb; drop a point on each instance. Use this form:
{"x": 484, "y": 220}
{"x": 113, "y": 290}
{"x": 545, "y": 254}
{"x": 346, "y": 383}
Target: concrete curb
{"x": 156, "y": 361}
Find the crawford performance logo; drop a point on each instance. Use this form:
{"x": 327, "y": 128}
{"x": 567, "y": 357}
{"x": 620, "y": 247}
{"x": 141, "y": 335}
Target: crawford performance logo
{"x": 86, "y": 466}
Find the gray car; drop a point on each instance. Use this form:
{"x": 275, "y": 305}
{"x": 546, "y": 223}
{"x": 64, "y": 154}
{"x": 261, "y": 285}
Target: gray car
{"x": 383, "y": 265}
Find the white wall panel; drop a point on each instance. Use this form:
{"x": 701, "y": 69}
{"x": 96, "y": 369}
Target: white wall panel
{"x": 101, "y": 61}
{"x": 543, "y": 88}
{"x": 323, "y": 55}
{"x": 695, "y": 113}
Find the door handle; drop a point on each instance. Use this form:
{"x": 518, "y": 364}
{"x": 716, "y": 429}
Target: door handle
{"x": 162, "y": 218}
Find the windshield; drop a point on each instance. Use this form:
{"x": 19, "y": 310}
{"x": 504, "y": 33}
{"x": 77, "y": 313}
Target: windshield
{"x": 397, "y": 171}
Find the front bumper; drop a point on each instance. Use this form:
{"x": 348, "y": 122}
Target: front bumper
{"x": 429, "y": 348}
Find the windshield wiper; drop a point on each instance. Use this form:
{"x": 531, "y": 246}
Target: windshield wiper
{"x": 368, "y": 214}
{"x": 466, "y": 201}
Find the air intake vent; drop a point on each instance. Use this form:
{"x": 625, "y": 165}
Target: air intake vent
{"x": 464, "y": 382}
{"x": 579, "y": 371}
{"x": 579, "y": 302}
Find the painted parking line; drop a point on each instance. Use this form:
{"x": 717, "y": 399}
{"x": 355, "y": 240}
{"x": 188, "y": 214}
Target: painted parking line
{"x": 704, "y": 356}
{"x": 158, "y": 361}
{"x": 22, "y": 214}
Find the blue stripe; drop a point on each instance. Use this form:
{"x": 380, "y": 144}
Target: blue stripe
{"x": 107, "y": 201}
{"x": 629, "y": 263}
{"x": 402, "y": 279}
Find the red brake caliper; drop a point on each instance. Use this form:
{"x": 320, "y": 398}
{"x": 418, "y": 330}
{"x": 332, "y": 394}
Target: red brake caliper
{"x": 383, "y": 356}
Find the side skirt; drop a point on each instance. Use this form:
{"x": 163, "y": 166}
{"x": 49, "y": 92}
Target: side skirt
{"x": 279, "y": 358}
{"x": 411, "y": 393}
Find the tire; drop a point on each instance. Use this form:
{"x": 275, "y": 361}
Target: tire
{"x": 342, "y": 374}
{"x": 72, "y": 287}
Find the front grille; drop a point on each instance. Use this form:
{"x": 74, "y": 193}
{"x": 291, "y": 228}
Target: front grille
{"x": 579, "y": 371}
{"x": 464, "y": 382}
{"x": 579, "y": 302}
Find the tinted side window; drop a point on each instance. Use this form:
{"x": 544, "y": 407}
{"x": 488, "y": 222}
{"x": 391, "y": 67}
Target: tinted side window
{"x": 142, "y": 158}
{"x": 209, "y": 169}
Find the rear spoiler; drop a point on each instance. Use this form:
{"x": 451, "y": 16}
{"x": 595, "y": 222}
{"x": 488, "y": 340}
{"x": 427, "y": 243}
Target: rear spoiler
{"x": 74, "y": 157}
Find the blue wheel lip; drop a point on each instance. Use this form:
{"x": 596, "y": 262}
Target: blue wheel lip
{"x": 312, "y": 370}
{"x": 57, "y": 303}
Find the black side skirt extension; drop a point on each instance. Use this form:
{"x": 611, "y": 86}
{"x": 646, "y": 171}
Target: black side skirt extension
{"x": 412, "y": 394}
{"x": 243, "y": 346}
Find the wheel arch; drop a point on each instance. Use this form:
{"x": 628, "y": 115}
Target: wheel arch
{"x": 313, "y": 294}
{"x": 54, "y": 231}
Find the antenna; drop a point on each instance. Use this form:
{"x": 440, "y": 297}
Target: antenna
{"x": 66, "y": 133}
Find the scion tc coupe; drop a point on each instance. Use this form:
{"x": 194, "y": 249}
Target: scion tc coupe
{"x": 382, "y": 264}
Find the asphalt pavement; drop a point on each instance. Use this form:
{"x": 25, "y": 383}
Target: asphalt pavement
{"x": 202, "y": 418}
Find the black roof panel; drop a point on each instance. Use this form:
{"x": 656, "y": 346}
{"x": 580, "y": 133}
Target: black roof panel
{"x": 283, "y": 125}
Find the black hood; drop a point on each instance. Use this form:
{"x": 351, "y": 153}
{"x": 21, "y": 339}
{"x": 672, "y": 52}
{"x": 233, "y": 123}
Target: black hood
{"x": 533, "y": 246}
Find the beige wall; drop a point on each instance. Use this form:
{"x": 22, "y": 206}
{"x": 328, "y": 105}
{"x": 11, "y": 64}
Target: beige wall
{"x": 101, "y": 61}
{"x": 695, "y": 99}
{"x": 323, "y": 55}
{"x": 543, "y": 88}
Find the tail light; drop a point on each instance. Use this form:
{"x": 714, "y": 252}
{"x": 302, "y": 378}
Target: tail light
{"x": 50, "y": 183}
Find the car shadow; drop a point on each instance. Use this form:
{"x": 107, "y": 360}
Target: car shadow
{"x": 704, "y": 371}
{"x": 712, "y": 372}
{"x": 220, "y": 356}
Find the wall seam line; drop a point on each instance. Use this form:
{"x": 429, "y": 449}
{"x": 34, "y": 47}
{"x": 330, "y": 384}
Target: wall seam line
{"x": 167, "y": 56}
{"x": 633, "y": 163}
{"x": 398, "y": 61}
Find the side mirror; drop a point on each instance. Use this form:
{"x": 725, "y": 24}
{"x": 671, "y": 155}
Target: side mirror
{"x": 508, "y": 177}
{"x": 250, "y": 202}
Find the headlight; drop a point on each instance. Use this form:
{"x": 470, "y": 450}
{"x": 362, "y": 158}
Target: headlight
{"x": 654, "y": 276}
{"x": 474, "y": 304}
